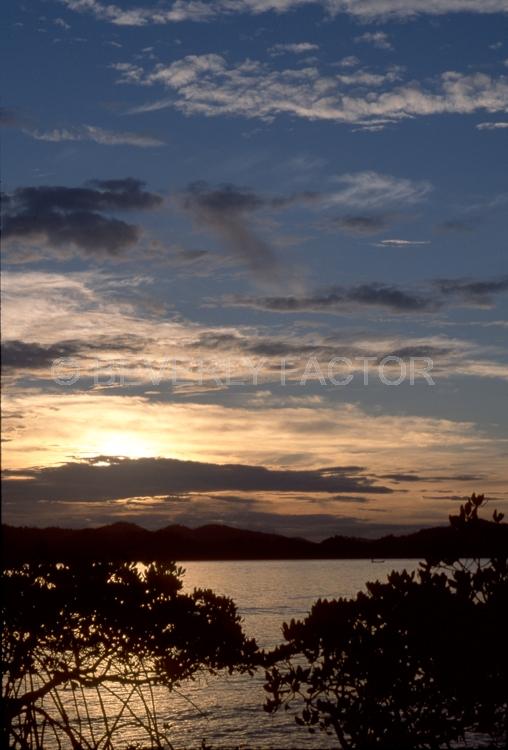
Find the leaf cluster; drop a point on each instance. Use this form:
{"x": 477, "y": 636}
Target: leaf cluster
{"x": 106, "y": 626}
{"x": 417, "y": 661}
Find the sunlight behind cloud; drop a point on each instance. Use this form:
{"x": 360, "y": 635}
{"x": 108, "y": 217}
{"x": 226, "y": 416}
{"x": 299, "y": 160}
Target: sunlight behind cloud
{"x": 124, "y": 444}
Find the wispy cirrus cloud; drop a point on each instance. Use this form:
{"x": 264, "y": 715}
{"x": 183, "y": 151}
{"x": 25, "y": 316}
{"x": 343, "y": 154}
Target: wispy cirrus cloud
{"x": 95, "y": 134}
{"x": 227, "y": 211}
{"x": 209, "y": 85}
{"x": 492, "y": 126}
{"x": 402, "y": 243}
{"x": 199, "y": 10}
{"x": 370, "y": 190}
{"x": 102, "y": 325}
{"x": 367, "y": 190}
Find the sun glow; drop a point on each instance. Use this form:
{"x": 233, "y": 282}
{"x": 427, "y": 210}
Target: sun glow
{"x": 125, "y": 444}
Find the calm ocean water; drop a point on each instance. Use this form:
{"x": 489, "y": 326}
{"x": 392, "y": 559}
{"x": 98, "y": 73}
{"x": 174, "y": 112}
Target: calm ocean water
{"x": 267, "y": 593}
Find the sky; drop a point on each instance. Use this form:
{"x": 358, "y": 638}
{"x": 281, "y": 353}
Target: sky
{"x": 255, "y": 265}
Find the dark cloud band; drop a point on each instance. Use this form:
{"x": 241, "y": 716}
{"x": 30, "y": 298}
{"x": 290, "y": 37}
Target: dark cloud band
{"x": 377, "y": 295}
{"x": 109, "y": 478}
{"x": 62, "y": 216}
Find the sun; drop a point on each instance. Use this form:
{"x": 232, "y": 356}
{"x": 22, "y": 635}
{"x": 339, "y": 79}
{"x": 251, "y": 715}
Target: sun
{"x": 125, "y": 444}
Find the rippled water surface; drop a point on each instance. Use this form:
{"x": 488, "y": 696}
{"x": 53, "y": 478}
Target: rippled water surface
{"x": 267, "y": 593}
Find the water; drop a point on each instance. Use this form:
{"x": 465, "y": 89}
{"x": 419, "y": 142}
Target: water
{"x": 267, "y": 593}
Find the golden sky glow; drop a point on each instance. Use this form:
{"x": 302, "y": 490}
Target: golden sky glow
{"x": 295, "y": 436}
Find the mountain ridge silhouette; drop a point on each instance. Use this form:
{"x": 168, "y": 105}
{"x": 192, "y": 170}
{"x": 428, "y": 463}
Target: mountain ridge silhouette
{"x": 129, "y": 541}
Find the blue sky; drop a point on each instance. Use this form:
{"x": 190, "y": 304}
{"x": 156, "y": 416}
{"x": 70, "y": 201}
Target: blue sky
{"x": 227, "y": 185}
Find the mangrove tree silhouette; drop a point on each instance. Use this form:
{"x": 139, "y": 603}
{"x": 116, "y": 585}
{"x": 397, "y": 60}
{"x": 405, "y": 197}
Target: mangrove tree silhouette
{"x": 416, "y": 662}
{"x": 88, "y": 647}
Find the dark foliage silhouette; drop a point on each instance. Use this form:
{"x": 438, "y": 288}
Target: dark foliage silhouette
{"x": 116, "y": 633}
{"x": 416, "y": 662}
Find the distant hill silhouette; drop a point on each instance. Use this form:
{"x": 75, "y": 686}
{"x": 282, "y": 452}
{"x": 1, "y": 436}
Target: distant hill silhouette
{"x": 127, "y": 541}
